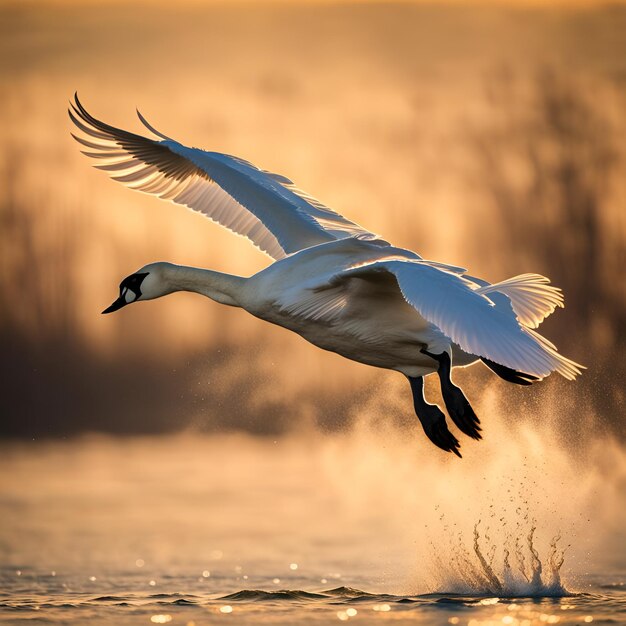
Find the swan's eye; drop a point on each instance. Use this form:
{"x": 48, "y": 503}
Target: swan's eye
{"x": 130, "y": 287}
{"x": 128, "y": 295}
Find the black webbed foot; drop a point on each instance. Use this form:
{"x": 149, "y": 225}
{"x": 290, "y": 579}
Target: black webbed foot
{"x": 457, "y": 405}
{"x": 433, "y": 419}
{"x": 508, "y": 374}
{"x": 460, "y": 411}
{"x": 437, "y": 431}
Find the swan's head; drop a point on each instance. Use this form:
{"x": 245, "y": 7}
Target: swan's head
{"x": 145, "y": 284}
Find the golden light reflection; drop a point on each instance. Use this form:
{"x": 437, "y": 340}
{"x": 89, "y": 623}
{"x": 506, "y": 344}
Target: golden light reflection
{"x": 488, "y": 138}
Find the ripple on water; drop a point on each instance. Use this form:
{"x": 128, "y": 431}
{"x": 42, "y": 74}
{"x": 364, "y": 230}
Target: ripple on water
{"x": 257, "y": 595}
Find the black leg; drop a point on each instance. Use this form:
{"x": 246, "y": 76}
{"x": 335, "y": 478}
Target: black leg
{"x": 508, "y": 374}
{"x": 456, "y": 403}
{"x": 432, "y": 419}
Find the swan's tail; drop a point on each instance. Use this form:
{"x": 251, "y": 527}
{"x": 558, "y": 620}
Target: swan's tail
{"x": 532, "y": 300}
{"x": 547, "y": 358}
{"x": 558, "y": 363}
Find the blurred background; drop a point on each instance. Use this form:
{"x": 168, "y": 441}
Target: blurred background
{"x": 182, "y": 434}
{"x": 489, "y": 136}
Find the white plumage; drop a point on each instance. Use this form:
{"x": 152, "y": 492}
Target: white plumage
{"x": 338, "y": 285}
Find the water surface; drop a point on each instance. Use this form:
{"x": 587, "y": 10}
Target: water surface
{"x": 199, "y": 530}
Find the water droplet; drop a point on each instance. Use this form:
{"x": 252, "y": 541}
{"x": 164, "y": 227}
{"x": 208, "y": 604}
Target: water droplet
{"x": 140, "y": 562}
{"x": 206, "y": 573}
{"x": 323, "y": 581}
{"x": 343, "y": 616}
{"x": 152, "y": 583}
{"x": 588, "y": 618}
{"x": 453, "y": 620}
{"x": 92, "y": 579}
{"x": 275, "y": 580}
{"x": 226, "y": 609}
{"x": 293, "y": 566}
{"x": 351, "y": 612}
{"x": 161, "y": 619}
{"x": 382, "y": 607}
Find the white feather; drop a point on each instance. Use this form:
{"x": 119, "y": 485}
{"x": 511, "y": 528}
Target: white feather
{"x": 532, "y": 297}
{"x": 335, "y": 283}
{"x": 468, "y": 317}
{"x": 267, "y": 208}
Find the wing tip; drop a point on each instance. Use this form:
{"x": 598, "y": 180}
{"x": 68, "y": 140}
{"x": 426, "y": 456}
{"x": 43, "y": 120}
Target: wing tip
{"x": 151, "y": 128}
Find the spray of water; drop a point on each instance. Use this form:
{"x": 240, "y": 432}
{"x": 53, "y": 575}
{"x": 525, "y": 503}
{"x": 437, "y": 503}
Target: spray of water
{"x": 494, "y": 522}
{"x": 490, "y": 569}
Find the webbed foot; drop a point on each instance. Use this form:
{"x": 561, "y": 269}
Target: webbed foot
{"x": 432, "y": 419}
{"x": 436, "y": 429}
{"x": 461, "y": 411}
{"x": 457, "y": 405}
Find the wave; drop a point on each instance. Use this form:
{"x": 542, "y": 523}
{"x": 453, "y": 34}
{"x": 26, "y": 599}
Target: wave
{"x": 257, "y": 595}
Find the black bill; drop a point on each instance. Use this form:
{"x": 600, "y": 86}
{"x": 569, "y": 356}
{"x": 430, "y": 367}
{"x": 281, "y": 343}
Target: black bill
{"x": 118, "y": 304}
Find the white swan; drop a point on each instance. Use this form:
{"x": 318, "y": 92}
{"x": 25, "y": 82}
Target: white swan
{"x": 336, "y": 284}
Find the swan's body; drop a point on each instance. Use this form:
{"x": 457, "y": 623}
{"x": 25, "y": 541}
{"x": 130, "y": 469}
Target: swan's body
{"x": 334, "y": 283}
{"x": 374, "y": 325}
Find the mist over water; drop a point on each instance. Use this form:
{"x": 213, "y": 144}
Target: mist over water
{"x": 375, "y": 513}
{"x": 524, "y": 512}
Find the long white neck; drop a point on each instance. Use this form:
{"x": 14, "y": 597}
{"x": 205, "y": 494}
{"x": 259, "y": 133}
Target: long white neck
{"x": 223, "y": 288}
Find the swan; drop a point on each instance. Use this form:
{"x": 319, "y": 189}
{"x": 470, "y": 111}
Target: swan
{"x": 336, "y": 284}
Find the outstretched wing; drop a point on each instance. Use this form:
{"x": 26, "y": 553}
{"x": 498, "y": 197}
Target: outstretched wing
{"x": 267, "y": 208}
{"x": 469, "y": 318}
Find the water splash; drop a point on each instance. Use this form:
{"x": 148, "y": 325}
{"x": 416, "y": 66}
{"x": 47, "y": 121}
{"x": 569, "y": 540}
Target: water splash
{"x": 521, "y": 573}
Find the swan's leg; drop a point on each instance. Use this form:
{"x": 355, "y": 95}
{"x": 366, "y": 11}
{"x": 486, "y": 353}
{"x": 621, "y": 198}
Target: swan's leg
{"x": 432, "y": 418}
{"x": 508, "y": 374}
{"x": 456, "y": 403}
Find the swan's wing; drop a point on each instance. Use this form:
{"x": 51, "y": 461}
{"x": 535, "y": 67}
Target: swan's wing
{"x": 320, "y": 304}
{"x": 267, "y": 208}
{"x": 468, "y": 318}
{"x": 531, "y": 295}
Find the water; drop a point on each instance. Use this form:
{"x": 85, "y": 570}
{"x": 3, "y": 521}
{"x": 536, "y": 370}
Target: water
{"x": 123, "y": 599}
{"x": 311, "y": 529}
